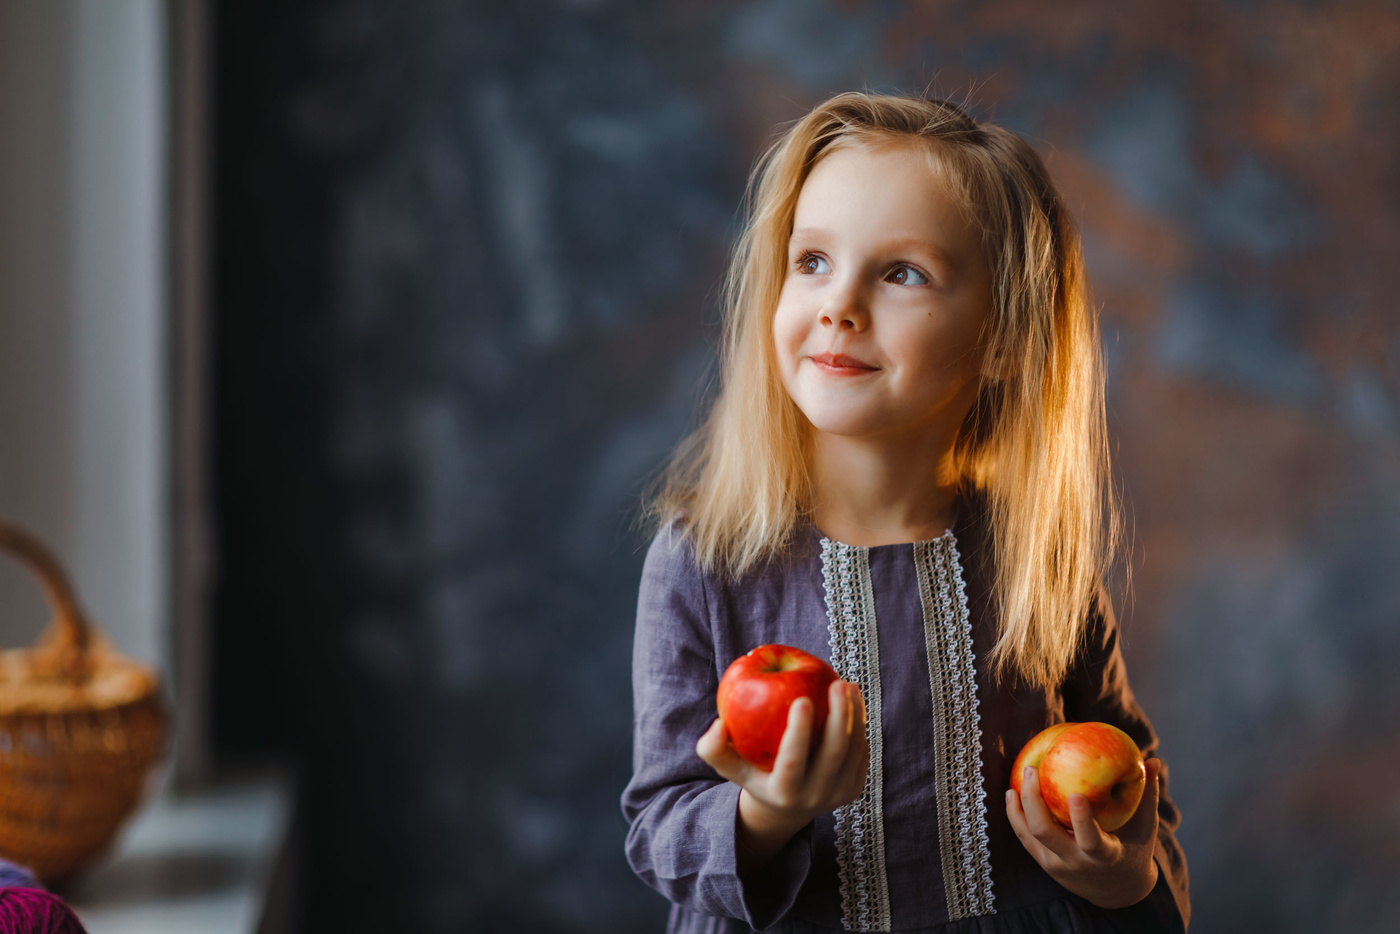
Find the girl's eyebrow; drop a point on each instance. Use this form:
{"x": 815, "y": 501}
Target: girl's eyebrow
{"x": 914, "y": 245}
{"x": 807, "y": 233}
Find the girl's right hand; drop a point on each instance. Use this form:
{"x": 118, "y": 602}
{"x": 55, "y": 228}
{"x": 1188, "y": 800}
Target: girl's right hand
{"x": 774, "y": 806}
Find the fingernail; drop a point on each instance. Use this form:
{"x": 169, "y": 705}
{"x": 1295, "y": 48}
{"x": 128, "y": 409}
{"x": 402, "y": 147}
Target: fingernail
{"x": 1027, "y": 774}
{"x": 1010, "y": 796}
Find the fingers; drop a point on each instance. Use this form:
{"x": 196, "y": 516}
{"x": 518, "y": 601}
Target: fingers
{"x": 835, "y": 776}
{"x": 856, "y": 767}
{"x": 1088, "y": 835}
{"x": 714, "y": 748}
{"x": 1076, "y": 858}
{"x": 1017, "y": 817}
{"x": 790, "y": 767}
{"x": 1142, "y": 826}
{"x": 709, "y": 743}
{"x": 836, "y": 738}
{"x": 842, "y": 696}
{"x": 1040, "y": 822}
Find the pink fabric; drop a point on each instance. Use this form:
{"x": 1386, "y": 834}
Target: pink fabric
{"x": 34, "y": 911}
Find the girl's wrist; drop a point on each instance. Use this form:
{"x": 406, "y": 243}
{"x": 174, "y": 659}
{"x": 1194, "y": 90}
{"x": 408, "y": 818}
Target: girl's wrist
{"x": 764, "y": 819}
{"x": 762, "y": 830}
{"x": 1136, "y": 894}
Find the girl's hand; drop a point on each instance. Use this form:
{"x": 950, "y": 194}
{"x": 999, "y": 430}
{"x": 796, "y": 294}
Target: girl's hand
{"x": 774, "y": 806}
{"x": 1112, "y": 870}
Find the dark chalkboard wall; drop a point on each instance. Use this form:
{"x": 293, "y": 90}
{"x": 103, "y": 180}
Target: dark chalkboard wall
{"x": 467, "y": 253}
{"x": 464, "y": 255}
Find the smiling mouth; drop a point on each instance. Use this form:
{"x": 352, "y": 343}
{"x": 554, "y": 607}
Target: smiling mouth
{"x": 840, "y": 365}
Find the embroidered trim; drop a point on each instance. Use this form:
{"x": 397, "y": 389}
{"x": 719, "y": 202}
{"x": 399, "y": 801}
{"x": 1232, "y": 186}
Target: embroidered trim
{"x": 962, "y": 806}
{"x": 855, "y": 654}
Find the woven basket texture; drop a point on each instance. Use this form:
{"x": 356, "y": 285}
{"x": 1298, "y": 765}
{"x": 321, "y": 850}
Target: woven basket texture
{"x": 81, "y": 727}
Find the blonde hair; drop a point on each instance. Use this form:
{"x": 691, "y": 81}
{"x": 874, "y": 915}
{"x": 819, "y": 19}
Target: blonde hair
{"x": 1034, "y": 441}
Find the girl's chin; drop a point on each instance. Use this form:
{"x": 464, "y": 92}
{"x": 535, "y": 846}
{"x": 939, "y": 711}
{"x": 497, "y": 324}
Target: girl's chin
{"x": 846, "y": 424}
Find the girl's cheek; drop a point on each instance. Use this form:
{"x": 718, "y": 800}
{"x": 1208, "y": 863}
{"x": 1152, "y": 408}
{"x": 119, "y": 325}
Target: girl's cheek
{"x": 787, "y": 334}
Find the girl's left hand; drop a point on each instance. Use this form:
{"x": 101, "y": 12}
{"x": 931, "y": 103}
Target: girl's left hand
{"x": 1112, "y": 870}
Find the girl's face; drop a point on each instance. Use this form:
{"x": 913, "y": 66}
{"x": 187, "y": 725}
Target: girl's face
{"x": 878, "y": 325}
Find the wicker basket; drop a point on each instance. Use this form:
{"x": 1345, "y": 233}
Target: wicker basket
{"x": 80, "y": 727}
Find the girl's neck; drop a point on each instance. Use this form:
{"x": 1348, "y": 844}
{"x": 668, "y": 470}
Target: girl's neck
{"x": 882, "y": 491}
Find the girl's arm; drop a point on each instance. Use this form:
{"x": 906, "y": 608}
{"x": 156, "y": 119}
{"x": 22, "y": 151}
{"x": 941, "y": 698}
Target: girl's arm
{"x": 1140, "y": 869}
{"x": 684, "y": 836}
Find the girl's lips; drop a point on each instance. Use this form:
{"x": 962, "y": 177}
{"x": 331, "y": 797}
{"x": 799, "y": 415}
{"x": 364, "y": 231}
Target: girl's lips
{"x": 838, "y": 364}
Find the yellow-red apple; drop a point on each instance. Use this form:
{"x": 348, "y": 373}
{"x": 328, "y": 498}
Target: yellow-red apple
{"x": 1096, "y": 760}
{"x": 758, "y": 688}
{"x": 1033, "y": 752}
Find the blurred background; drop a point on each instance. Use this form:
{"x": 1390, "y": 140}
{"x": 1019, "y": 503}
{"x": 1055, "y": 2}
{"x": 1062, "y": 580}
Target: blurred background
{"x": 338, "y": 339}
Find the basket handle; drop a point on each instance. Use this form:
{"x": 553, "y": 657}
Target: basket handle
{"x": 62, "y": 652}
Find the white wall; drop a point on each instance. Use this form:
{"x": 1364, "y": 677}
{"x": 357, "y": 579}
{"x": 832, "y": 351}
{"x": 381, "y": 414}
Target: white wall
{"x": 83, "y": 397}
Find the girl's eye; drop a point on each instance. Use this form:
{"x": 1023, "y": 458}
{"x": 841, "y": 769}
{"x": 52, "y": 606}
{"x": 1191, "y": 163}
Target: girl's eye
{"x": 907, "y": 275}
{"x": 813, "y": 265}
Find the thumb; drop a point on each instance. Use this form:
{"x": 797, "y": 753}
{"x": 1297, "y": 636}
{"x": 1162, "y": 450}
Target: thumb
{"x": 717, "y": 752}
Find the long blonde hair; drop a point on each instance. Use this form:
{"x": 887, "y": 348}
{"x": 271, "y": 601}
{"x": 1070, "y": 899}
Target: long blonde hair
{"x": 1034, "y": 442}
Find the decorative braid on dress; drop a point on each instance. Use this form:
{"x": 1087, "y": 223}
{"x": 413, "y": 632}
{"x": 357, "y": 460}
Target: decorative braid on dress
{"x": 962, "y": 805}
{"x": 855, "y": 654}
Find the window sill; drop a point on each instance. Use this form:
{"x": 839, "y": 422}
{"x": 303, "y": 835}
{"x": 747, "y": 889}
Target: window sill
{"x": 194, "y": 862}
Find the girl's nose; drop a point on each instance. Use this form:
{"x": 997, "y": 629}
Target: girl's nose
{"x": 844, "y": 311}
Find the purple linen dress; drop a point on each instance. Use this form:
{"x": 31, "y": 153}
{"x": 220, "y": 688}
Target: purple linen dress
{"x": 927, "y": 848}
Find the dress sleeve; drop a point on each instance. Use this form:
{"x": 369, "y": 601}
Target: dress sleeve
{"x": 1098, "y": 689}
{"x": 682, "y": 815}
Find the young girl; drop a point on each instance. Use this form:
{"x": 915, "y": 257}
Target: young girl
{"x": 905, "y": 472}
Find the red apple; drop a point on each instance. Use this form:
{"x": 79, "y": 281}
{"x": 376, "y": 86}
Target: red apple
{"x": 756, "y": 692}
{"x": 1095, "y": 760}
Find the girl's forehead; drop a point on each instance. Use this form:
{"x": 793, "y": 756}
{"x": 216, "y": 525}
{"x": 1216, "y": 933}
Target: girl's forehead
{"x": 895, "y": 189}
{"x": 881, "y": 151}
{"x": 911, "y": 166}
